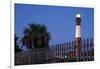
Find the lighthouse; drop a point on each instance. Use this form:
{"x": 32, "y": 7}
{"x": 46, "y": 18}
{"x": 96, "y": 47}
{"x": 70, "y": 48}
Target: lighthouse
{"x": 78, "y": 36}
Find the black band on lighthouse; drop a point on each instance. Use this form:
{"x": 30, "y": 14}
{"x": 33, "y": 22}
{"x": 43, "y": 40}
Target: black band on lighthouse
{"x": 78, "y": 21}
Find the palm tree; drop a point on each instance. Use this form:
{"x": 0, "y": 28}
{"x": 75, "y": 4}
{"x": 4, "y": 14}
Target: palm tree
{"x": 36, "y": 35}
{"x": 45, "y": 36}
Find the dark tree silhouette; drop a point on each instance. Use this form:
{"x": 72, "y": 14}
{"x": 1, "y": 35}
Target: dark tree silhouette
{"x": 36, "y": 35}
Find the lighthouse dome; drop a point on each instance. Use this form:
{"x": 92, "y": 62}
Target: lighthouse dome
{"x": 78, "y": 15}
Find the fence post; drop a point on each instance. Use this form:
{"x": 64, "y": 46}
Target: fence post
{"x": 72, "y": 50}
{"x": 75, "y": 50}
{"x": 67, "y": 50}
{"x": 91, "y": 49}
{"x": 29, "y": 56}
{"x": 87, "y": 49}
{"x": 84, "y": 53}
{"x": 61, "y": 51}
{"x": 18, "y": 58}
{"x": 80, "y": 50}
{"x": 58, "y": 51}
{"x": 53, "y": 54}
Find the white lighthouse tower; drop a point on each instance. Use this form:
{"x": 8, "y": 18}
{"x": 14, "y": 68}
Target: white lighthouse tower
{"x": 78, "y": 36}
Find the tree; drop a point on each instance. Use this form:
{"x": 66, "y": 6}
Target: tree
{"x": 17, "y": 49}
{"x": 36, "y": 35}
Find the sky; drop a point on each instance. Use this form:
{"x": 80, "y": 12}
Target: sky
{"x": 59, "y": 20}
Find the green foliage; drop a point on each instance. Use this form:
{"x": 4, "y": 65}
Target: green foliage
{"x": 36, "y": 35}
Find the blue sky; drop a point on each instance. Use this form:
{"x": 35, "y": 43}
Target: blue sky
{"x": 59, "y": 20}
